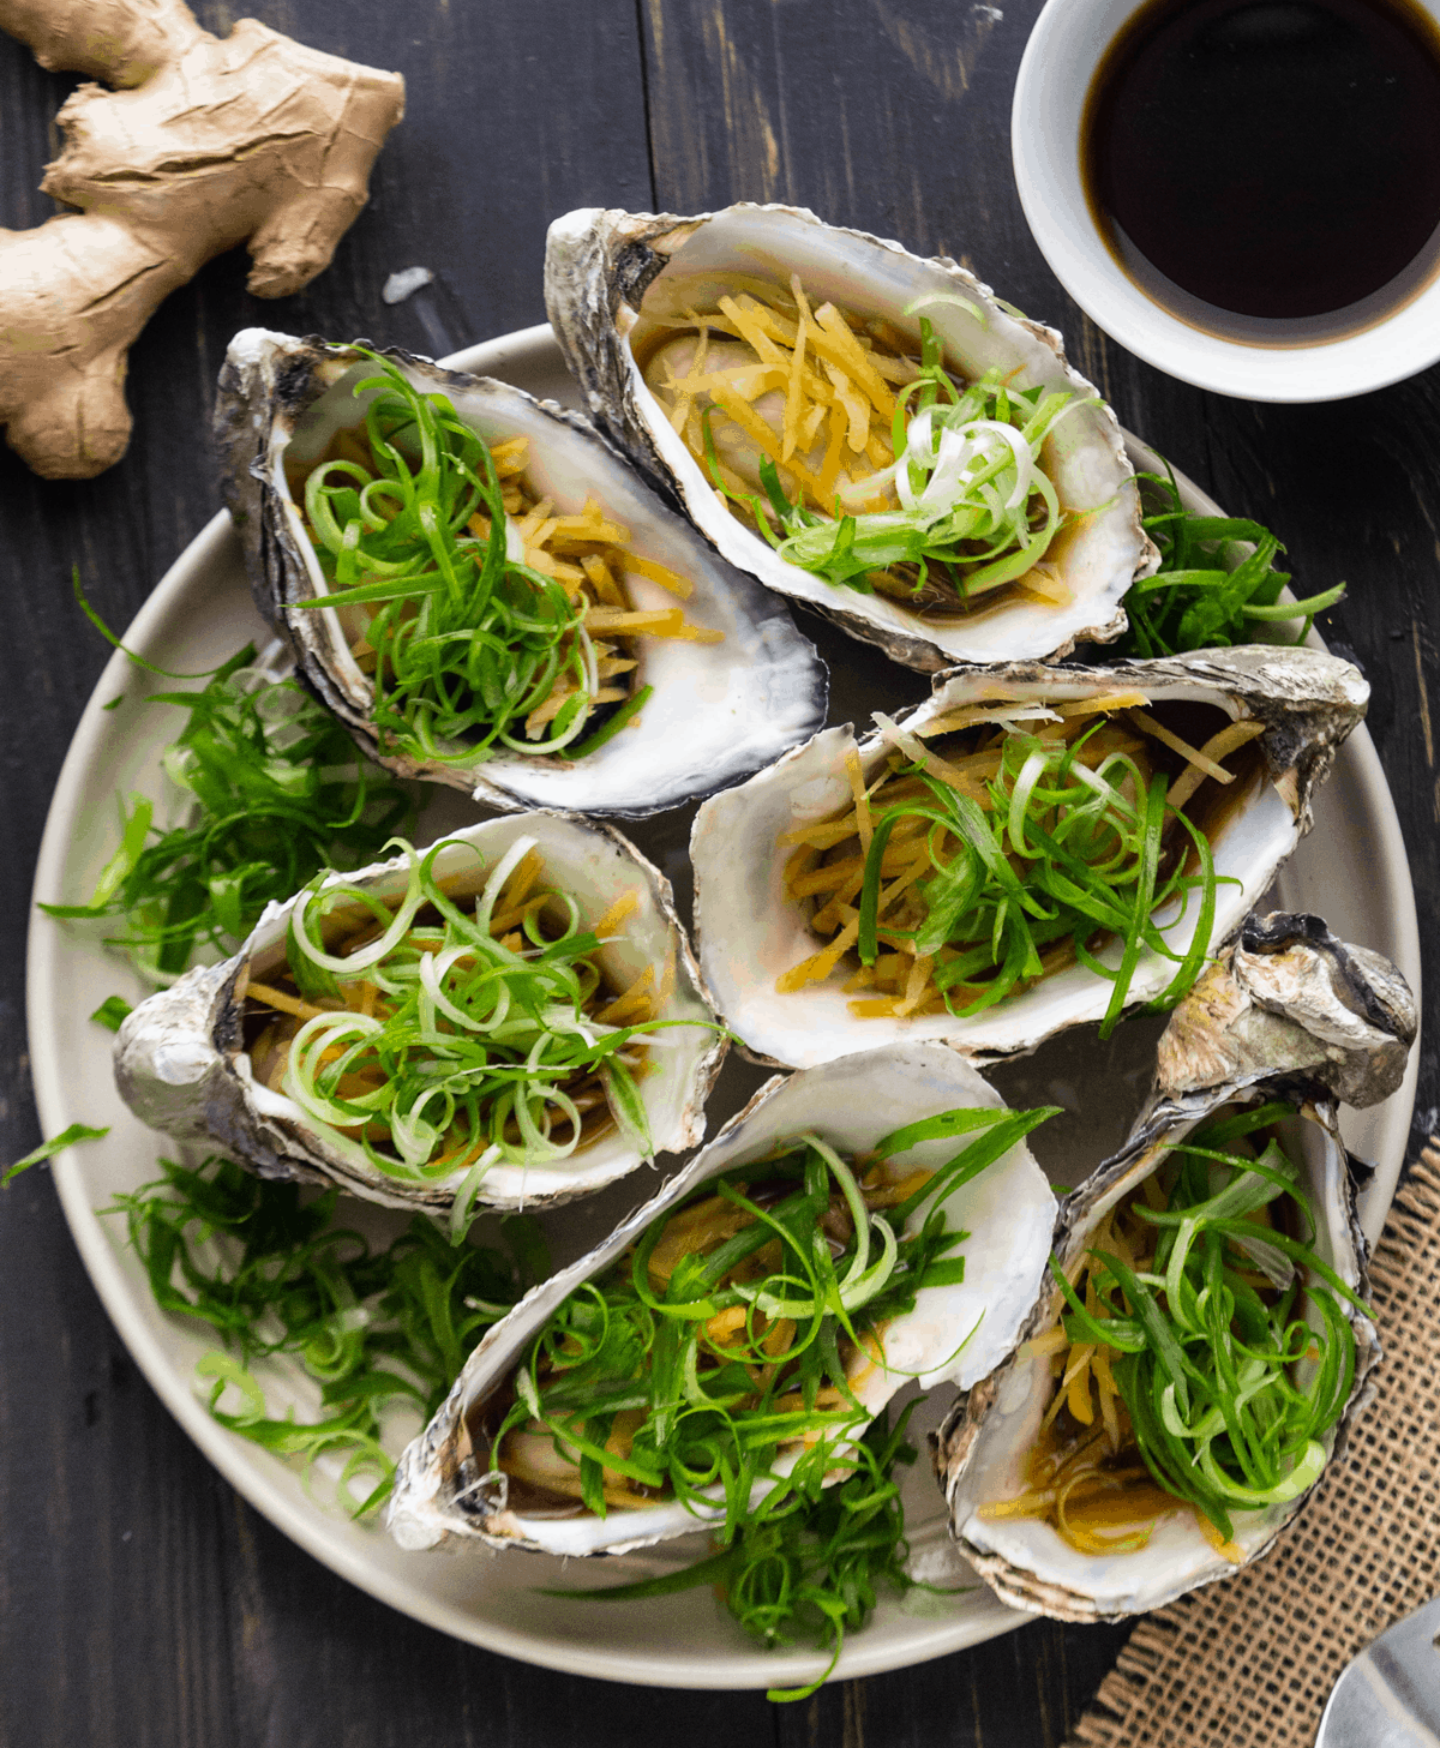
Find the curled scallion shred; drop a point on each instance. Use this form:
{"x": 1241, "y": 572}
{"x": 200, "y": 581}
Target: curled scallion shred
{"x": 1208, "y": 593}
{"x": 994, "y": 865}
{"x": 1194, "y": 1375}
{"x": 719, "y": 1361}
{"x": 876, "y": 470}
{"x": 472, "y": 647}
{"x": 975, "y": 509}
{"x": 444, "y": 1036}
{"x": 274, "y": 1272}
{"x": 274, "y": 794}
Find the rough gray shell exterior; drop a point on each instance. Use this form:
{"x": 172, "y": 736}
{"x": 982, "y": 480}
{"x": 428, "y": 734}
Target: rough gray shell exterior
{"x": 1341, "y": 1017}
{"x": 598, "y": 267}
{"x": 719, "y": 711}
{"x": 1283, "y": 976}
{"x": 181, "y": 1067}
{"x": 440, "y": 1491}
{"x": 749, "y": 931}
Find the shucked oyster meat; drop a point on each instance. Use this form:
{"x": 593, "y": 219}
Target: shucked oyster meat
{"x": 439, "y": 1067}
{"x": 781, "y": 891}
{"x": 452, "y": 1483}
{"x": 1021, "y": 1441}
{"x": 719, "y": 347}
{"x": 732, "y": 683}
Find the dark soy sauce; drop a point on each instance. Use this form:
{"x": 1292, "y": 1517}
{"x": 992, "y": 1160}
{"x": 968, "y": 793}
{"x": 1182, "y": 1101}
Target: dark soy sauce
{"x": 1270, "y": 169}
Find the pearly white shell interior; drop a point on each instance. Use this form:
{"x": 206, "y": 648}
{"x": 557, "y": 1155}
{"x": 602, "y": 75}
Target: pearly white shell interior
{"x": 1008, "y": 1210}
{"x": 1098, "y": 558}
{"x": 749, "y": 932}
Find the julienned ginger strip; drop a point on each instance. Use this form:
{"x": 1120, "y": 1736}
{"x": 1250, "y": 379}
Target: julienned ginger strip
{"x": 587, "y": 553}
{"x": 1238, "y": 734}
{"x": 837, "y": 882}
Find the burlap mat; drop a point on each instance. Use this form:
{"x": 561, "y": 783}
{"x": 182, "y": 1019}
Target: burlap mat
{"x": 1249, "y": 1663}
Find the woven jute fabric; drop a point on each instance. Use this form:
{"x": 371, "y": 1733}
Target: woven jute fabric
{"x": 1249, "y": 1663}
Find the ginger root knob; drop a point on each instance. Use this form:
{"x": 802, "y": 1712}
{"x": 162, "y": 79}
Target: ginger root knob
{"x": 207, "y": 144}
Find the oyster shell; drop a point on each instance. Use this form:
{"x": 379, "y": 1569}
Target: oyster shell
{"x": 609, "y": 274}
{"x": 182, "y": 1065}
{"x": 1288, "y": 992}
{"x": 1008, "y": 1209}
{"x": 719, "y": 711}
{"x": 749, "y": 932}
{"x": 1285, "y": 981}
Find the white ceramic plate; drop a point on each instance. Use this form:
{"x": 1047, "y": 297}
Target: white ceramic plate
{"x": 1352, "y": 871}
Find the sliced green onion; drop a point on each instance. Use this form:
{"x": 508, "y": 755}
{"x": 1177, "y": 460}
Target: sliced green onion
{"x": 469, "y": 640}
{"x": 974, "y": 507}
{"x": 817, "y": 1567}
{"x": 112, "y": 1012}
{"x": 274, "y": 794}
{"x": 274, "y": 1271}
{"x": 48, "y": 1149}
{"x": 467, "y": 1037}
{"x": 1059, "y": 852}
{"x": 1206, "y": 1368}
{"x": 1207, "y": 593}
{"x": 718, "y": 1416}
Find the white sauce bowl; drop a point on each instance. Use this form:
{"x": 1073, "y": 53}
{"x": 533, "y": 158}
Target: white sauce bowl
{"x": 1065, "y": 48}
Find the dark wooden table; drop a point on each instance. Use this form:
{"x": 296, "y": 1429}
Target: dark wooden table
{"x": 141, "y": 1602}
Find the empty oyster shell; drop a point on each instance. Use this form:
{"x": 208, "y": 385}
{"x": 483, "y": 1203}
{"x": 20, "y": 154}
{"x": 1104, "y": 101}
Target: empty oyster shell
{"x": 612, "y": 278}
{"x": 1285, "y": 983}
{"x": 182, "y": 1061}
{"x": 718, "y": 711}
{"x": 440, "y": 1488}
{"x": 750, "y": 932}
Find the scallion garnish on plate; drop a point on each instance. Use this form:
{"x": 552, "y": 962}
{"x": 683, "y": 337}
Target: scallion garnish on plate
{"x": 1209, "y": 593}
{"x": 275, "y": 1273}
{"x": 274, "y": 793}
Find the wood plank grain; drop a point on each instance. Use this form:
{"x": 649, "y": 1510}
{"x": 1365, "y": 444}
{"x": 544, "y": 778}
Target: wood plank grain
{"x": 877, "y": 114}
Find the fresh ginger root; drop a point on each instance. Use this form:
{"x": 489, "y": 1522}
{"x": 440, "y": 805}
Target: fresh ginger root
{"x": 209, "y": 143}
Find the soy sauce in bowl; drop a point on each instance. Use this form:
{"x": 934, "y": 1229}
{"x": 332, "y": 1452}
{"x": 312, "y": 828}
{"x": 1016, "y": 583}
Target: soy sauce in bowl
{"x": 1269, "y": 170}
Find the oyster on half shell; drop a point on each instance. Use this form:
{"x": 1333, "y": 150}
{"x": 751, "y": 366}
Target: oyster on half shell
{"x": 615, "y": 285}
{"x": 183, "y": 1058}
{"x": 443, "y": 1489}
{"x": 1329, "y": 1015}
{"x": 750, "y": 932}
{"x": 719, "y": 710}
